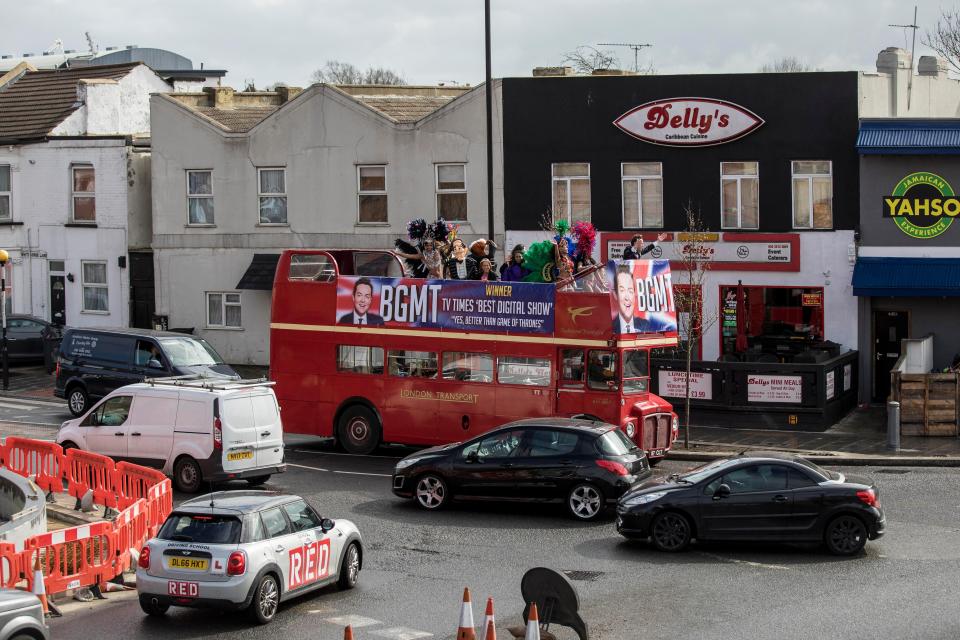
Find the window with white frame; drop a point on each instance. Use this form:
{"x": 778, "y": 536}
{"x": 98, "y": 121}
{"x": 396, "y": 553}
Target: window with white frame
{"x": 372, "y": 193}
{"x": 642, "y": 186}
{"x": 740, "y": 195}
{"x": 452, "y": 192}
{"x": 6, "y": 210}
{"x": 571, "y": 191}
{"x": 95, "y": 291}
{"x": 812, "y": 194}
{"x": 273, "y": 195}
{"x": 84, "y": 200}
{"x": 200, "y": 196}
{"x": 223, "y": 310}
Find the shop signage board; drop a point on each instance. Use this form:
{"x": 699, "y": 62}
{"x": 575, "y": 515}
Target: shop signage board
{"x": 831, "y": 384}
{"x": 673, "y": 384}
{"x": 922, "y": 205}
{"x": 782, "y": 389}
{"x": 812, "y": 299}
{"x": 847, "y": 376}
{"x": 688, "y": 122}
{"x": 724, "y": 252}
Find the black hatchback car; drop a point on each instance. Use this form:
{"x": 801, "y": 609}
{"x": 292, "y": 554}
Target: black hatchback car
{"x": 586, "y": 465}
{"x": 759, "y": 496}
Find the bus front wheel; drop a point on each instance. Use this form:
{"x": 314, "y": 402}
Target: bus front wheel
{"x": 359, "y": 430}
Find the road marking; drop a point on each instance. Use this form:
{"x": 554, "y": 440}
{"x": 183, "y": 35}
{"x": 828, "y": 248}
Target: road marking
{"x": 352, "y": 620}
{"x": 362, "y": 473}
{"x": 749, "y": 563}
{"x": 61, "y": 404}
{"x": 14, "y": 405}
{"x": 349, "y": 455}
{"x": 303, "y": 466}
{"x": 401, "y": 633}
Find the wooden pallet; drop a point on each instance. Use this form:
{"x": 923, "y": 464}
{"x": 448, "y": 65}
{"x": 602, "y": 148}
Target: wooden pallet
{"x": 929, "y": 403}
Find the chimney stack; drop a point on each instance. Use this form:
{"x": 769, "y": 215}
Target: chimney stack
{"x": 546, "y": 72}
{"x": 893, "y": 59}
{"x": 286, "y": 94}
{"x": 932, "y": 66}
{"x": 219, "y": 97}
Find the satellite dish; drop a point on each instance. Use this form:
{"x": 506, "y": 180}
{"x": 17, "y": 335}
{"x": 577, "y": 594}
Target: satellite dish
{"x": 556, "y": 598}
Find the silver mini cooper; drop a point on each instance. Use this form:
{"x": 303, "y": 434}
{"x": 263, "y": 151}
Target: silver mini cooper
{"x": 245, "y": 550}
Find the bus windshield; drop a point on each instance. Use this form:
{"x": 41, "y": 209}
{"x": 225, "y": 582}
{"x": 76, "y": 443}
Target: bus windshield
{"x": 636, "y": 371}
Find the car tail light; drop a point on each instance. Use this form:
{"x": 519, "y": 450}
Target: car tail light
{"x": 613, "y": 467}
{"x": 144, "y": 560}
{"x": 58, "y": 370}
{"x": 237, "y": 564}
{"x": 868, "y": 497}
{"x": 217, "y": 434}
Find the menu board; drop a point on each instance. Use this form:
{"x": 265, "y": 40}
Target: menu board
{"x": 830, "y": 384}
{"x": 780, "y": 389}
{"x": 672, "y": 384}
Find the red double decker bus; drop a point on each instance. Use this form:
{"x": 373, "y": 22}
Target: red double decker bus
{"x": 357, "y": 355}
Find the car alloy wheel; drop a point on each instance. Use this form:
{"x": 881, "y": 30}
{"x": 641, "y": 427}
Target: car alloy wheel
{"x": 266, "y": 601}
{"x": 431, "y": 492}
{"x": 585, "y": 502}
{"x": 846, "y": 535}
{"x": 350, "y": 570}
{"x": 671, "y": 532}
{"x": 77, "y": 402}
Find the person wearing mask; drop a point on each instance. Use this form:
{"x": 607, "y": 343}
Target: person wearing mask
{"x": 461, "y": 266}
{"x": 636, "y": 249}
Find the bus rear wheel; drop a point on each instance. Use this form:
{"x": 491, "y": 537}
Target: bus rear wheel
{"x": 358, "y": 430}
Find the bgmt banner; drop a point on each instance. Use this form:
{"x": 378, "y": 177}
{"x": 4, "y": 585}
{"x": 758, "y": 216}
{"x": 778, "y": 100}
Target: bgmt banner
{"x": 464, "y": 305}
{"x": 641, "y": 296}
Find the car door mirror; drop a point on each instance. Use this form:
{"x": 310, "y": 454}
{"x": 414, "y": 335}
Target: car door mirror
{"x": 327, "y": 524}
{"x": 722, "y": 492}
{"x": 473, "y": 457}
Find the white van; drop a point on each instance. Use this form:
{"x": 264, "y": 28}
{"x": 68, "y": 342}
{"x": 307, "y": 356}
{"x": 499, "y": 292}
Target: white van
{"x": 197, "y": 431}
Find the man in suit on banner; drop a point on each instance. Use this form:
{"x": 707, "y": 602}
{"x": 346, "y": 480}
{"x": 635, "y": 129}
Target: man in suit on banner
{"x": 362, "y": 299}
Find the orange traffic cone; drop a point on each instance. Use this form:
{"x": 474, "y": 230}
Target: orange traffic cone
{"x": 466, "y": 631}
{"x": 348, "y": 633}
{"x": 489, "y": 625}
{"x": 38, "y": 588}
{"x": 533, "y": 624}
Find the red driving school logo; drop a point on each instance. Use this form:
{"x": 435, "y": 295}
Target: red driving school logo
{"x": 688, "y": 122}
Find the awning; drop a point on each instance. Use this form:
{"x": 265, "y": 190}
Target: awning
{"x": 909, "y": 277}
{"x": 259, "y": 275}
{"x": 916, "y": 137}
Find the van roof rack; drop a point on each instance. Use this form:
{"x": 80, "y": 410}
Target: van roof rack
{"x": 195, "y": 381}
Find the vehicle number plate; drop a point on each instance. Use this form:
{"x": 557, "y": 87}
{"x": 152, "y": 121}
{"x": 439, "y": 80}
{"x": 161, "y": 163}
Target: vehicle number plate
{"x": 240, "y": 455}
{"x": 656, "y": 453}
{"x": 183, "y": 589}
{"x": 190, "y": 564}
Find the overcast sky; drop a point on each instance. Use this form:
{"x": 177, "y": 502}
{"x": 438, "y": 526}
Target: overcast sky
{"x": 431, "y": 41}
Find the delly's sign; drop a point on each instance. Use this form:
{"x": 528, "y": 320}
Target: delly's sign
{"x": 688, "y": 122}
{"x": 923, "y": 205}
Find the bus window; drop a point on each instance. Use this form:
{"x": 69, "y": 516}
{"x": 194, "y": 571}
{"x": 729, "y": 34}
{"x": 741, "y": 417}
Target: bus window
{"x": 571, "y": 367}
{"x": 376, "y": 263}
{"x": 523, "y": 370}
{"x": 317, "y": 267}
{"x": 602, "y": 370}
{"x": 359, "y": 359}
{"x": 636, "y": 371}
{"x": 412, "y": 364}
{"x": 467, "y": 367}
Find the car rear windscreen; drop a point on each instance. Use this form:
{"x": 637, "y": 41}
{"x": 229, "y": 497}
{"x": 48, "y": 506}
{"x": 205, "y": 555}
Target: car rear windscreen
{"x": 202, "y": 528}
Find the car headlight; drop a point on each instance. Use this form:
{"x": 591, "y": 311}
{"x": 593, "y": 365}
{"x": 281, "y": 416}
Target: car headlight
{"x": 644, "y": 498}
{"x": 406, "y": 462}
{"x": 630, "y": 428}
{"x": 676, "y": 423}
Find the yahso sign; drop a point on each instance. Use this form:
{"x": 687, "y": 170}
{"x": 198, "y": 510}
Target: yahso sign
{"x": 688, "y": 122}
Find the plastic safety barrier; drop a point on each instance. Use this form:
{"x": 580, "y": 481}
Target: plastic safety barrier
{"x": 134, "y": 482}
{"x": 43, "y": 460}
{"x": 88, "y": 471}
{"x": 132, "y": 529}
{"x": 11, "y": 565}
{"x": 72, "y": 558}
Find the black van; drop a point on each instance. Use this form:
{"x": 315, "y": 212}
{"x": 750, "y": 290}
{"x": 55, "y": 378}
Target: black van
{"x": 94, "y": 362}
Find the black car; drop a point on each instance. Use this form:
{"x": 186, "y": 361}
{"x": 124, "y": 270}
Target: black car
{"x": 584, "y": 464}
{"x": 759, "y": 496}
{"x": 26, "y": 336}
{"x": 94, "y": 362}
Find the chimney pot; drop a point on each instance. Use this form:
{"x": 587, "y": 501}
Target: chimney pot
{"x": 891, "y": 59}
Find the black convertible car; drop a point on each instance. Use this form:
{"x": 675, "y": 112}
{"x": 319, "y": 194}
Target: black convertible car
{"x": 755, "y": 497}
{"x": 584, "y": 464}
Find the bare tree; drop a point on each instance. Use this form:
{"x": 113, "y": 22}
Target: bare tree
{"x": 380, "y": 75}
{"x": 337, "y": 72}
{"x": 587, "y": 59}
{"x": 695, "y": 322}
{"x": 787, "y": 64}
{"x": 945, "y": 37}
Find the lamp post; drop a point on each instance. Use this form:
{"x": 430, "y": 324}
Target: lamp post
{"x": 4, "y": 257}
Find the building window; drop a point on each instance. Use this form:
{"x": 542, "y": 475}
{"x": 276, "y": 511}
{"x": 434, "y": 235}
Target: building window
{"x": 372, "y": 193}
{"x": 273, "y": 196}
{"x": 452, "y": 192}
{"x": 779, "y": 322}
{"x": 223, "y": 310}
{"x": 5, "y": 209}
{"x": 95, "y": 292}
{"x": 812, "y": 194}
{"x": 84, "y": 200}
{"x": 200, "y": 197}
{"x": 642, "y": 185}
{"x": 571, "y": 191}
{"x": 740, "y": 195}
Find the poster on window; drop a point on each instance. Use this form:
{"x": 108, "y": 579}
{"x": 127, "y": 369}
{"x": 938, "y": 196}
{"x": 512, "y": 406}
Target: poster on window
{"x": 847, "y": 376}
{"x": 672, "y": 384}
{"x": 641, "y": 296}
{"x": 830, "y": 380}
{"x": 784, "y": 389}
{"x": 465, "y": 305}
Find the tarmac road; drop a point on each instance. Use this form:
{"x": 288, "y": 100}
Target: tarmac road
{"x": 416, "y": 565}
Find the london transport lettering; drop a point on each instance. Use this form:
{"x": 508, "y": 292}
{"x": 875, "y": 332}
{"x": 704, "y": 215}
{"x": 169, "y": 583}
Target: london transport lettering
{"x": 688, "y": 122}
{"x": 641, "y": 296}
{"x": 518, "y": 307}
{"x": 308, "y": 563}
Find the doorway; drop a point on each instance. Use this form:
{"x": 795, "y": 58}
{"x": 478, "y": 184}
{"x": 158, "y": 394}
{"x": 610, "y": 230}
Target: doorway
{"x": 58, "y": 302}
{"x": 141, "y": 289}
{"x": 889, "y": 328}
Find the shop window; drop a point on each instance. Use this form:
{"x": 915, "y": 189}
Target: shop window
{"x": 467, "y": 367}
{"x": 95, "y": 288}
{"x": 740, "y": 195}
{"x": 372, "y": 193}
{"x": 273, "y": 196}
{"x": 533, "y": 372}
{"x": 200, "y": 197}
{"x": 642, "y": 187}
{"x": 571, "y": 191}
{"x": 84, "y": 190}
{"x": 355, "y": 359}
{"x": 223, "y": 310}
{"x": 812, "y": 194}
{"x": 5, "y": 208}
{"x": 412, "y": 364}
{"x": 452, "y": 192}
{"x": 779, "y": 322}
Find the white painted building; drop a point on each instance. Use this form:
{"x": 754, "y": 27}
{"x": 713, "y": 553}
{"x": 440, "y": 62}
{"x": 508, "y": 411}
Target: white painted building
{"x": 72, "y": 183}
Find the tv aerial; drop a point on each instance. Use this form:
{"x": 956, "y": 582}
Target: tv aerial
{"x": 913, "y": 46}
{"x": 636, "y": 50}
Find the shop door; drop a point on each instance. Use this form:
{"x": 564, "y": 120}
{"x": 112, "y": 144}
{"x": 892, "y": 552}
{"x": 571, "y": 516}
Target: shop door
{"x": 58, "y": 305}
{"x": 889, "y": 328}
{"x": 141, "y": 290}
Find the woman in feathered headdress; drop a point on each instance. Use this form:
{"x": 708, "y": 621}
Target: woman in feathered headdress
{"x": 424, "y": 260}
{"x": 565, "y": 248}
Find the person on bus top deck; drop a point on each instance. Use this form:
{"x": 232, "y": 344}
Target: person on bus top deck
{"x": 429, "y": 255}
{"x": 362, "y": 299}
{"x": 461, "y": 266}
{"x": 633, "y": 250}
{"x": 486, "y": 271}
{"x": 513, "y": 270}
